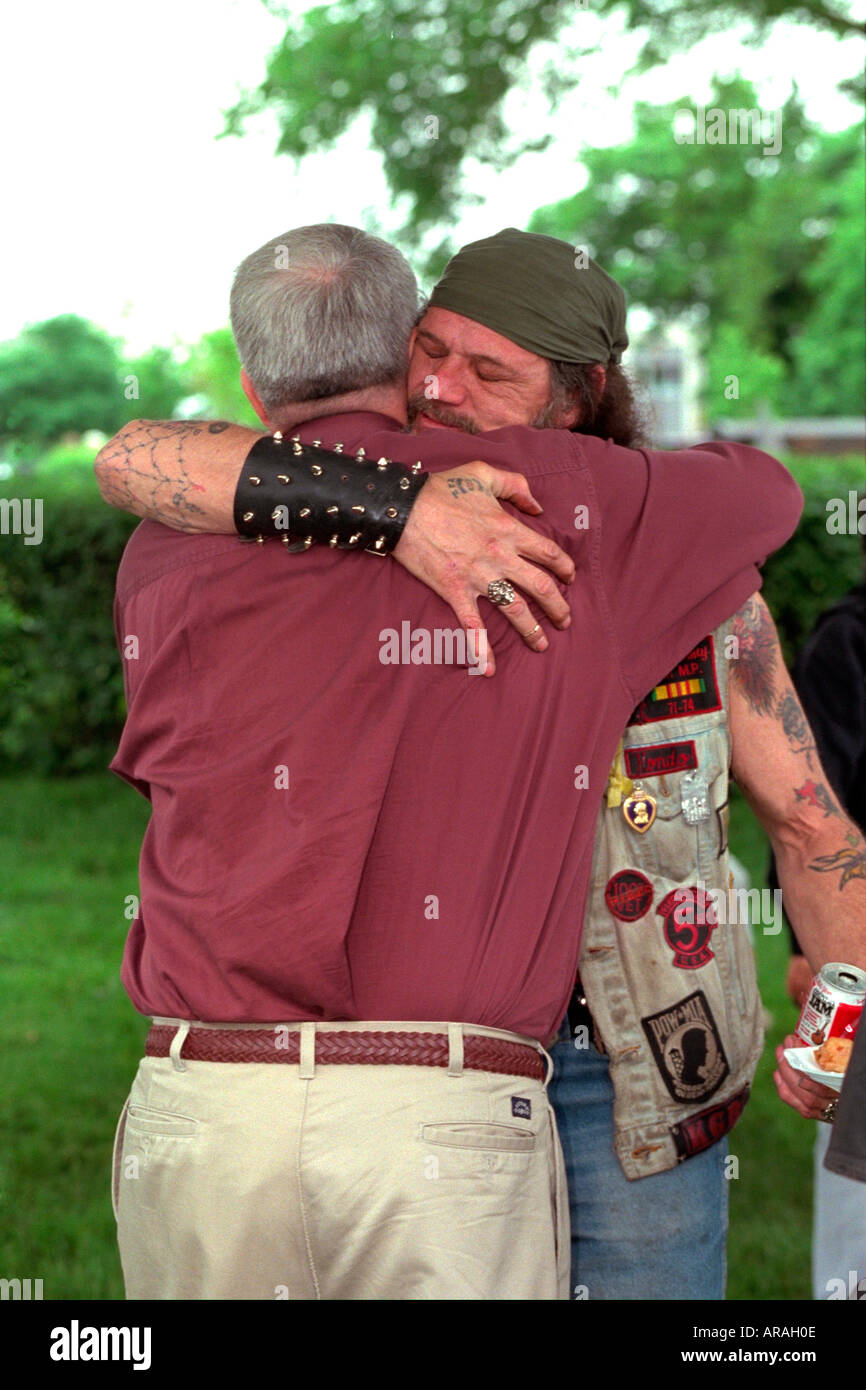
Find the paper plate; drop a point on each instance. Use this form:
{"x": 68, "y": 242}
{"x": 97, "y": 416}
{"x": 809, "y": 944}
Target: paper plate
{"x": 803, "y": 1059}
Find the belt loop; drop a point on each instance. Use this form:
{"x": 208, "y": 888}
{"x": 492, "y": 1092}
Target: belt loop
{"x": 549, "y": 1060}
{"x": 177, "y": 1043}
{"x": 455, "y": 1049}
{"x": 307, "y": 1068}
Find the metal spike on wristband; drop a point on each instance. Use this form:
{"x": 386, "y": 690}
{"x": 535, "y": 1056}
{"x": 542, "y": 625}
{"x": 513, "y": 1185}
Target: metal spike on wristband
{"x": 258, "y": 518}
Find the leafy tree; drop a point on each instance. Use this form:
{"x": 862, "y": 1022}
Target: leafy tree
{"x": 155, "y": 384}
{"x": 742, "y": 382}
{"x": 830, "y": 364}
{"x": 59, "y": 377}
{"x": 66, "y": 376}
{"x": 433, "y": 74}
{"x": 214, "y": 375}
{"x": 755, "y": 248}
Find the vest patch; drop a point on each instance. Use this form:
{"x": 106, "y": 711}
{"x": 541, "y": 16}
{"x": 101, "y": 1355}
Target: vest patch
{"x": 689, "y": 916}
{"x": 701, "y": 1131}
{"x": 656, "y": 759}
{"x": 629, "y": 895}
{"x": 687, "y": 1049}
{"x": 690, "y": 688}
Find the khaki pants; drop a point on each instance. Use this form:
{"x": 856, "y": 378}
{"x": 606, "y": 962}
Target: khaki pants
{"x": 303, "y": 1181}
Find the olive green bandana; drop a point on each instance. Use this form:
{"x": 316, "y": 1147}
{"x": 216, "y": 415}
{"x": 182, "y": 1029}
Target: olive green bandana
{"x": 538, "y": 292}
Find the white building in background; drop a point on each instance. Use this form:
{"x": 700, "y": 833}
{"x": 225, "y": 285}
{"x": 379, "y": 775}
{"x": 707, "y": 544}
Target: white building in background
{"x": 665, "y": 363}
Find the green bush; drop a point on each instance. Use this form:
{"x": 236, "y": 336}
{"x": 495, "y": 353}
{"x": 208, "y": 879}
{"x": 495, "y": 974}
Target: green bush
{"x": 815, "y": 568}
{"x": 61, "y": 686}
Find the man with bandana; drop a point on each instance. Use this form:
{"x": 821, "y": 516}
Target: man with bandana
{"x": 506, "y": 385}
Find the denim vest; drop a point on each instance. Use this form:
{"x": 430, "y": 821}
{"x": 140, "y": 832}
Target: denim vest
{"x": 668, "y": 975}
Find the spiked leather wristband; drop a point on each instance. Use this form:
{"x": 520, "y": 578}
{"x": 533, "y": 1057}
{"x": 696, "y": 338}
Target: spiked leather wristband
{"x": 301, "y": 493}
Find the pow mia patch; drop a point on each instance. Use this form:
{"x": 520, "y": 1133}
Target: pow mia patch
{"x": 628, "y": 895}
{"x": 690, "y": 688}
{"x": 689, "y": 916}
{"x": 687, "y": 1049}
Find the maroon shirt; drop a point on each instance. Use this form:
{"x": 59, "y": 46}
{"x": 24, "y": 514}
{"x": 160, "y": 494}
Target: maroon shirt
{"x": 429, "y": 857}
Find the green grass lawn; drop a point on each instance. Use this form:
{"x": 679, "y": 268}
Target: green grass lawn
{"x": 69, "y": 1038}
{"x": 70, "y": 1043}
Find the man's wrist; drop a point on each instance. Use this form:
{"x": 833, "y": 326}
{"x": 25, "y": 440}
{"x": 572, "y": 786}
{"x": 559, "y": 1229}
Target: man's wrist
{"x": 302, "y": 493}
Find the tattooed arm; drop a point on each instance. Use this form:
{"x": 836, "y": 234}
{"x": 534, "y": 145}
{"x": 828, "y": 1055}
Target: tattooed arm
{"x": 180, "y": 472}
{"x": 458, "y": 538}
{"x": 820, "y": 854}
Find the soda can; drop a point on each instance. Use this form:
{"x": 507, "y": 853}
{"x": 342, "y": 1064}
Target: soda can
{"x": 834, "y": 1004}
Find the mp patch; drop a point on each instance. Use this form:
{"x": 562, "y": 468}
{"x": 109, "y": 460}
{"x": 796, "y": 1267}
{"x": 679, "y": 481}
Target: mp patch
{"x": 657, "y": 759}
{"x": 521, "y": 1107}
{"x": 687, "y": 1049}
{"x": 701, "y": 1131}
{"x": 689, "y": 916}
{"x": 628, "y": 895}
{"x": 690, "y": 688}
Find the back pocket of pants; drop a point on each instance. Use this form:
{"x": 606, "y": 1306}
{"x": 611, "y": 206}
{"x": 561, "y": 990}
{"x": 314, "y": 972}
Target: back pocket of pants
{"x": 464, "y": 1134}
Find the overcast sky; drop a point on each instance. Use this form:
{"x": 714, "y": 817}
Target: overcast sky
{"x": 122, "y": 206}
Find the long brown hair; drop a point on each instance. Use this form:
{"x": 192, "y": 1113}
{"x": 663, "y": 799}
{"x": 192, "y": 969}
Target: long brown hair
{"x": 615, "y": 413}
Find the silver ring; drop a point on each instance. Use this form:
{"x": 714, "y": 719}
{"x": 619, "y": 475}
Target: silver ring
{"x": 532, "y": 631}
{"x": 828, "y": 1114}
{"x": 500, "y": 592}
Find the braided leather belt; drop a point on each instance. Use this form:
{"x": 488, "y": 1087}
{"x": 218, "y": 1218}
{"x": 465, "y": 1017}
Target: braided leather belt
{"x": 353, "y": 1049}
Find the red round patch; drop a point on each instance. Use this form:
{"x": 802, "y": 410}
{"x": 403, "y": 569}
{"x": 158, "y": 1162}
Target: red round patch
{"x": 689, "y": 917}
{"x": 629, "y": 895}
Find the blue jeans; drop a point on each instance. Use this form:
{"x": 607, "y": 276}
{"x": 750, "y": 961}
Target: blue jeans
{"x": 660, "y": 1237}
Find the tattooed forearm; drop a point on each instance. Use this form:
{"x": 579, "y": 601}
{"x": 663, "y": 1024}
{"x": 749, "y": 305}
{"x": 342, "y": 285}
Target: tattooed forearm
{"x": 850, "y": 863}
{"x": 755, "y": 667}
{"x": 796, "y": 727}
{"x": 458, "y": 485}
{"x": 817, "y": 795}
{"x": 143, "y": 470}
